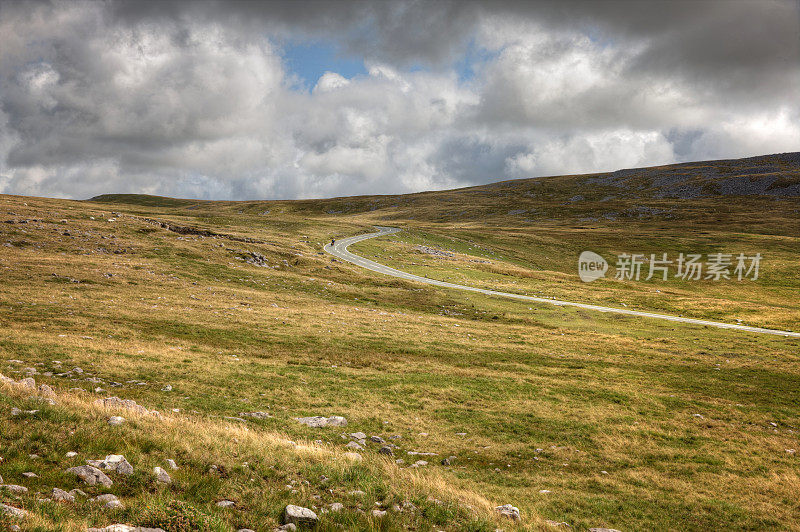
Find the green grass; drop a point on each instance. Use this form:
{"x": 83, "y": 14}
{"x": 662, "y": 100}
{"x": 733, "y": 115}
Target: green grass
{"x": 528, "y": 397}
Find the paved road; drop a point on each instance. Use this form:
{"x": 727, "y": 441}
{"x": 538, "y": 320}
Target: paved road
{"x": 340, "y": 250}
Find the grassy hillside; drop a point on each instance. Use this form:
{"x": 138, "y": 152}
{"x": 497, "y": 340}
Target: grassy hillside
{"x": 209, "y": 311}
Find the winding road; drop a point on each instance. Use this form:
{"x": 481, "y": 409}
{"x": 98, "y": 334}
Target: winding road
{"x": 339, "y": 250}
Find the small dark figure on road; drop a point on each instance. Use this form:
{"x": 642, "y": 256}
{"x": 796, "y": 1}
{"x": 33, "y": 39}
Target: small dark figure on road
{"x": 333, "y": 241}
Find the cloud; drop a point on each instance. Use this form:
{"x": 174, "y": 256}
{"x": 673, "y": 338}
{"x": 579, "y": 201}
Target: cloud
{"x": 194, "y": 99}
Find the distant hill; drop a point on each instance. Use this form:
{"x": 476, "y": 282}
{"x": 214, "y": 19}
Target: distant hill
{"x": 668, "y": 191}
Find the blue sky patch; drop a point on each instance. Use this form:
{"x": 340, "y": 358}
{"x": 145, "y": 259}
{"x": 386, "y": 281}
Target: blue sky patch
{"x": 310, "y": 60}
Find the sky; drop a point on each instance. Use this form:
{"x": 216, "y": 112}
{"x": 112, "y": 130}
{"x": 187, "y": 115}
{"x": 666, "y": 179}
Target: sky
{"x": 309, "y": 99}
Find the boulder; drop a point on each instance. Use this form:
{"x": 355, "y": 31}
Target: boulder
{"x": 320, "y": 421}
{"x": 91, "y": 475}
{"x": 13, "y": 488}
{"x": 299, "y": 516}
{"x": 511, "y": 512}
{"x": 61, "y": 495}
{"x": 161, "y": 475}
{"x": 386, "y": 450}
{"x": 16, "y": 513}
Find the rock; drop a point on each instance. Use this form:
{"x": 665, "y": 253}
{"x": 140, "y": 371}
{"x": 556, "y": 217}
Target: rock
{"x": 78, "y": 493}
{"x": 28, "y": 383}
{"x": 356, "y": 493}
{"x": 376, "y": 439}
{"x": 299, "y": 516}
{"x": 117, "y": 463}
{"x": 116, "y": 420}
{"x": 320, "y": 421}
{"x": 355, "y": 457}
{"x": 355, "y": 446}
{"x": 256, "y": 415}
{"x": 226, "y": 504}
{"x": 336, "y": 507}
{"x": 446, "y": 461}
{"x": 125, "y": 404}
{"x": 16, "y": 513}
{"x": 419, "y": 463}
{"x": 171, "y": 464}
{"x": 1, "y": 479}
{"x": 288, "y": 526}
{"x": 167, "y": 388}
{"x": 71, "y": 454}
{"x": 13, "y": 488}
{"x": 378, "y": 513}
{"x": 511, "y": 512}
{"x": 161, "y": 475}
{"x": 358, "y": 435}
{"x": 386, "y": 450}
{"x": 91, "y": 475}
{"x": 46, "y": 391}
{"x": 29, "y": 474}
{"x": 61, "y": 495}
{"x": 108, "y": 500}
{"x": 600, "y": 529}
{"x": 245, "y": 530}
{"x": 550, "y": 522}
{"x": 124, "y": 528}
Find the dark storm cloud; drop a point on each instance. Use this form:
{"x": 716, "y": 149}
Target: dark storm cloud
{"x": 194, "y": 99}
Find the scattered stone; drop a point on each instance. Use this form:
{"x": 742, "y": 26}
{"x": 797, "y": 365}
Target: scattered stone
{"x": 378, "y": 513}
{"x": 113, "y": 462}
{"x": 161, "y": 475}
{"x": 77, "y": 493}
{"x": 171, "y": 464}
{"x": 108, "y": 500}
{"x": 419, "y": 463}
{"x": 288, "y": 526}
{"x": 356, "y": 493}
{"x": 376, "y": 439}
{"x": 603, "y": 530}
{"x": 511, "y": 512}
{"x": 354, "y": 445}
{"x": 62, "y": 496}
{"x": 91, "y": 475}
{"x": 16, "y": 513}
{"x": 116, "y": 420}
{"x": 46, "y": 391}
{"x": 13, "y": 488}
{"x": 28, "y": 382}
{"x": 126, "y": 404}
{"x": 358, "y": 435}
{"x": 226, "y": 504}
{"x": 299, "y": 516}
{"x": 167, "y": 388}
{"x": 256, "y": 415}
{"x": 320, "y": 421}
{"x": 557, "y": 523}
{"x": 124, "y": 528}
{"x": 386, "y": 450}
{"x": 336, "y": 507}
{"x": 29, "y": 474}
{"x": 544, "y": 492}
{"x": 71, "y": 454}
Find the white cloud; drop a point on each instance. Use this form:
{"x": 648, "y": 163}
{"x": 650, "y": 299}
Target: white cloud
{"x": 199, "y": 104}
